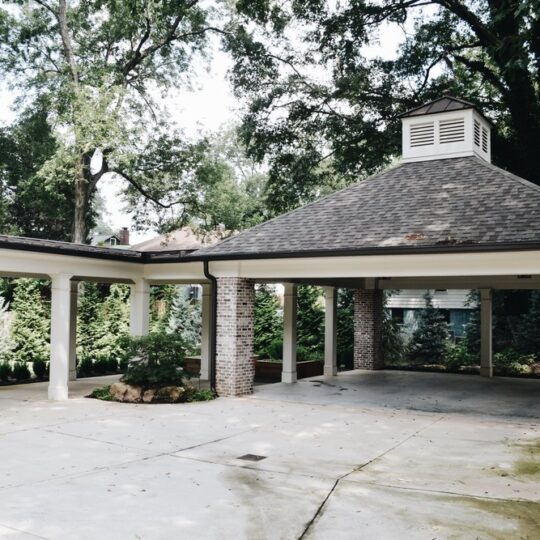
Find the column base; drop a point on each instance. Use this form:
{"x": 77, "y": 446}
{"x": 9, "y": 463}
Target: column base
{"x": 330, "y": 371}
{"x": 486, "y": 371}
{"x": 73, "y": 375}
{"x": 288, "y": 377}
{"x": 58, "y": 393}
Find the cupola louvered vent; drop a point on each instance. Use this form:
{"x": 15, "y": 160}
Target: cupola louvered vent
{"x": 451, "y": 131}
{"x": 445, "y": 128}
{"x": 423, "y": 134}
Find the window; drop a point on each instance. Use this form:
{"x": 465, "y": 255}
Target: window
{"x": 398, "y": 315}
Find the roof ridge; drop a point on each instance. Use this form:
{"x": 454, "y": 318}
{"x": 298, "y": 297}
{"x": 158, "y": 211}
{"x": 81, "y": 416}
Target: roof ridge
{"x": 311, "y": 203}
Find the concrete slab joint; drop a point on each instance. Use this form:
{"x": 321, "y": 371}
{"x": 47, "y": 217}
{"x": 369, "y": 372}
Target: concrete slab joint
{"x": 235, "y": 369}
{"x": 368, "y": 319}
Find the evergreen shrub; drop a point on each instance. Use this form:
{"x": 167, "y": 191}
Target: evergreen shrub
{"x": 21, "y": 372}
{"x": 40, "y": 369}
{"x": 6, "y": 372}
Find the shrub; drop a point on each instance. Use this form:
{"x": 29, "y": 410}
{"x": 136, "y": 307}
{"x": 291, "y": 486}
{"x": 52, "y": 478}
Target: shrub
{"x": 201, "y": 395}
{"x": 103, "y": 393}
{"x": 112, "y": 365}
{"x": 274, "y": 351}
{"x": 21, "y": 372}
{"x": 101, "y": 366}
{"x": 155, "y": 360}
{"x": 40, "y": 369}
{"x": 5, "y": 371}
{"x": 458, "y": 355}
{"x": 85, "y": 367}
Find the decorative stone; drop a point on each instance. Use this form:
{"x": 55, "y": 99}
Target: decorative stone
{"x": 118, "y": 390}
{"x": 126, "y": 392}
{"x": 148, "y": 396}
{"x": 170, "y": 393}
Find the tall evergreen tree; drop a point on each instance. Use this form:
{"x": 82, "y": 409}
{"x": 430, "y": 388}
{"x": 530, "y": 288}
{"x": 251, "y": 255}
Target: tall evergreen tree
{"x": 185, "y": 320}
{"x": 429, "y": 340}
{"x": 310, "y": 321}
{"x": 268, "y": 322}
{"x": 31, "y": 325}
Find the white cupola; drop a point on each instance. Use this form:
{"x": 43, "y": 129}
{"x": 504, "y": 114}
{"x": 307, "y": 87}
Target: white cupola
{"x": 445, "y": 128}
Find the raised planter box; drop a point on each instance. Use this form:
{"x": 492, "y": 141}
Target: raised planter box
{"x": 265, "y": 370}
{"x": 270, "y": 371}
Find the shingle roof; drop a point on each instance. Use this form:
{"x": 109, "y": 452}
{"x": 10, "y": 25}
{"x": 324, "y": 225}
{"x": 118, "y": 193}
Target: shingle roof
{"x": 439, "y": 105}
{"x": 446, "y": 202}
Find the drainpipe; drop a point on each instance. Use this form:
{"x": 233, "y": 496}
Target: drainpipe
{"x": 213, "y": 325}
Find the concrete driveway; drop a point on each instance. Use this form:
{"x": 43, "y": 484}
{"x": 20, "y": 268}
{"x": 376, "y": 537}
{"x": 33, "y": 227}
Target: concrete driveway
{"x": 363, "y": 455}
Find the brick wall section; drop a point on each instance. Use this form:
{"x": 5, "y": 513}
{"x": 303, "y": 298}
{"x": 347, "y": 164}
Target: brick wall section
{"x": 368, "y": 318}
{"x": 234, "y": 341}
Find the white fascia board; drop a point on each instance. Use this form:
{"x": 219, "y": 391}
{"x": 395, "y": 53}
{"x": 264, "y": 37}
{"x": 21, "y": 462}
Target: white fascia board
{"x": 18, "y": 263}
{"x": 495, "y": 263}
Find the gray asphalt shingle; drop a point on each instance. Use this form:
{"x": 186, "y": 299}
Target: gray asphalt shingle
{"x": 454, "y": 202}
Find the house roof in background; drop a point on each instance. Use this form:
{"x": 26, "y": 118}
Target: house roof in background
{"x": 184, "y": 239}
{"x": 452, "y": 203}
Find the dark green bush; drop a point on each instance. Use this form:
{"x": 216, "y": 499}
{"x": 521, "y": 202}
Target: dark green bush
{"x": 101, "y": 366}
{"x": 103, "y": 393}
{"x": 40, "y": 369}
{"x": 201, "y": 395}
{"x": 112, "y": 365}
{"x": 21, "y": 372}
{"x": 5, "y": 371}
{"x": 155, "y": 360}
{"x": 458, "y": 355}
{"x": 274, "y": 351}
{"x": 85, "y": 367}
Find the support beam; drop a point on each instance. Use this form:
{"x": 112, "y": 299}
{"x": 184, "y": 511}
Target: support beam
{"x": 74, "y": 293}
{"x": 60, "y": 336}
{"x": 486, "y": 332}
{"x": 330, "y": 331}
{"x": 206, "y": 331}
{"x": 288, "y": 374}
{"x": 139, "y": 324}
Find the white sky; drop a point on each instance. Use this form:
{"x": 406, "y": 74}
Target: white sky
{"x": 206, "y": 107}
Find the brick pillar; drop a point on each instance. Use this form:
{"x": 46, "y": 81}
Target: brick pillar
{"x": 368, "y": 317}
{"x": 234, "y": 341}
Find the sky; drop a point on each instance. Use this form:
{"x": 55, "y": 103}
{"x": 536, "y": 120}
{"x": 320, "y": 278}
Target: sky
{"x": 205, "y": 107}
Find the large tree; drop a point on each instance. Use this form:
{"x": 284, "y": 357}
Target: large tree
{"x": 101, "y": 67}
{"x": 323, "y": 109}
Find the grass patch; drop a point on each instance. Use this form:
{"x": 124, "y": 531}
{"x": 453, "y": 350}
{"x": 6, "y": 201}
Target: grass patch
{"x": 103, "y": 393}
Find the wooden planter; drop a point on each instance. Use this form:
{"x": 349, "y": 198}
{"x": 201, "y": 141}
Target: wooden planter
{"x": 265, "y": 370}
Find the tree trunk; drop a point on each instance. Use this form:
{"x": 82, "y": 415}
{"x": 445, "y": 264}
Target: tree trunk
{"x": 79, "y": 230}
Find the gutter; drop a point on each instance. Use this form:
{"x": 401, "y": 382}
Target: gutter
{"x": 213, "y": 326}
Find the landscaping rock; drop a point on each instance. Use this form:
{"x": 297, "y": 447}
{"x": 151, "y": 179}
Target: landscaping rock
{"x": 171, "y": 394}
{"x": 126, "y": 392}
{"x": 148, "y": 396}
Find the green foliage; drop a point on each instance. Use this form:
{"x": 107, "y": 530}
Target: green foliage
{"x": 40, "y": 369}
{"x": 103, "y": 322}
{"x": 85, "y": 367}
{"x": 268, "y": 322}
{"x": 310, "y": 317}
{"x": 394, "y": 347}
{"x": 429, "y": 340}
{"x": 21, "y": 371}
{"x": 103, "y": 393}
{"x": 203, "y": 394}
{"x": 457, "y": 356}
{"x": 5, "y": 371}
{"x": 527, "y": 329}
{"x": 274, "y": 350}
{"x": 322, "y": 112}
{"x": 345, "y": 327}
{"x": 156, "y": 360}
{"x": 185, "y": 321}
{"x": 31, "y": 325}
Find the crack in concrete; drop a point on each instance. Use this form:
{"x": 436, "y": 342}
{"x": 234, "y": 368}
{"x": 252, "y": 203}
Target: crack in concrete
{"x": 23, "y": 532}
{"x": 321, "y": 507}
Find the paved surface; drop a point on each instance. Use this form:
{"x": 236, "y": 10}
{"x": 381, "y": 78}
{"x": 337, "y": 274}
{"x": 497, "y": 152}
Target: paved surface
{"x": 360, "y": 456}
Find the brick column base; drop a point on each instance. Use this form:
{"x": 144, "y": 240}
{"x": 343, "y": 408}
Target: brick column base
{"x": 368, "y": 318}
{"x": 234, "y": 340}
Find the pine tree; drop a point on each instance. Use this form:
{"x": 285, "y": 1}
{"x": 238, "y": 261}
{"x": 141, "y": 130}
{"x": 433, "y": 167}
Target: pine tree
{"x": 528, "y": 327}
{"x": 268, "y": 322}
{"x": 185, "y": 320}
{"x": 310, "y": 325}
{"x": 31, "y": 325}
{"x": 345, "y": 327}
{"x": 430, "y": 339}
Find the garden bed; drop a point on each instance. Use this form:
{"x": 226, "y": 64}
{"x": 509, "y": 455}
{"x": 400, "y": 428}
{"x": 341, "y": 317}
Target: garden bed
{"x": 270, "y": 370}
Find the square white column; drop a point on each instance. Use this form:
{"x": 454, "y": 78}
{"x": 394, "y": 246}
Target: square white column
{"x": 288, "y": 374}
{"x": 206, "y": 333}
{"x": 73, "y": 330}
{"x": 139, "y": 322}
{"x": 486, "y": 332}
{"x": 330, "y": 331}
{"x": 60, "y": 336}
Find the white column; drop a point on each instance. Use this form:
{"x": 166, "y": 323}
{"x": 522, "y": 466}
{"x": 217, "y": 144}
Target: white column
{"x": 288, "y": 374}
{"x": 206, "y": 333}
{"x": 60, "y": 336}
{"x": 73, "y": 331}
{"x": 486, "y": 333}
{"x": 330, "y": 331}
{"x": 139, "y": 323}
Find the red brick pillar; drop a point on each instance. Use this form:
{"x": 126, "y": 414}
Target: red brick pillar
{"x": 234, "y": 340}
{"x": 368, "y": 318}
